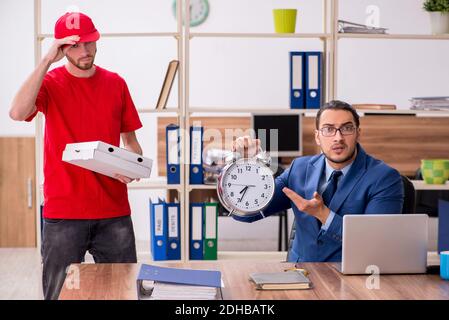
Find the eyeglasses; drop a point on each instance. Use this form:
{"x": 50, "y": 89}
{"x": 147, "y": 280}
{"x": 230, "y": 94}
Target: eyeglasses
{"x": 346, "y": 130}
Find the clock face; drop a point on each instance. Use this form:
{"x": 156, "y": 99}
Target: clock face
{"x": 247, "y": 186}
{"x": 199, "y": 10}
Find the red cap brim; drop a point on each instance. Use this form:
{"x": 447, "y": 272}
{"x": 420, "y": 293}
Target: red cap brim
{"x": 94, "y": 36}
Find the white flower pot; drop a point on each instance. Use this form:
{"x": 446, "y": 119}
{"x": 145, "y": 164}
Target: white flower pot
{"x": 439, "y": 22}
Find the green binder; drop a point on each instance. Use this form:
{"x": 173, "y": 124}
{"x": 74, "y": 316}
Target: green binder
{"x": 210, "y": 230}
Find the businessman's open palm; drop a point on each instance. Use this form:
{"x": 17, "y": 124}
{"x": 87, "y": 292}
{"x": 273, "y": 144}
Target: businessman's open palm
{"x": 315, "y": 206}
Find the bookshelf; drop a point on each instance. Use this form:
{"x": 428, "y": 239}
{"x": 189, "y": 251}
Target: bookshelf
{"x": 329, "y": 39}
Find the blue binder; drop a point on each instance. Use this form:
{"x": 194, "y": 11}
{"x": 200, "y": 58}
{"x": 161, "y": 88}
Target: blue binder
{"x": 208, "y": 278}
{"x": 313, "y": 79}
{"x": 196, "y": 231}
{"x": 443, "y": 225}
{"x": 159, "y": 226}
{"x": 174, "y": 231}
{"x": 297, "y": 65}
{"x": 196, "y": 151}
{"x": 173, "y": 153}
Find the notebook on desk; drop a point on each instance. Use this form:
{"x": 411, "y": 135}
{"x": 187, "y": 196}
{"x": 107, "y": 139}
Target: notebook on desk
{"x": 286, "y": 280}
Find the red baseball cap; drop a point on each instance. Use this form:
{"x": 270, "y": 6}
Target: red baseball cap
{"x": 76, "y": 23}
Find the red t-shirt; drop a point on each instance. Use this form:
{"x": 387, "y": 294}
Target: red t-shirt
{"x": 79, "y": 110}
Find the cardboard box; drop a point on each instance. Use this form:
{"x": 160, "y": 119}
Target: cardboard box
{"x": 107, "y": 159}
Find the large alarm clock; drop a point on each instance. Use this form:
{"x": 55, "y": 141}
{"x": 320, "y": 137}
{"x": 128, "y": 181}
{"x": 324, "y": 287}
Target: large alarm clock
{"x": 199, "y": 11}
{"x": 245, "y": 186}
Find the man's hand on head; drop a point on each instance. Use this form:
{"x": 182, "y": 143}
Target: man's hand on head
{"x": 59, "y": 48}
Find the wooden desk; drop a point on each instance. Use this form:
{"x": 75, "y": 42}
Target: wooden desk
{"x": 118, "y": 282}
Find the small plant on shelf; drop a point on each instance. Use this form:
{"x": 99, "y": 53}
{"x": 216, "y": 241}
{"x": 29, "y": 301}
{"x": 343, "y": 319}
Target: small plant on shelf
{"x": 436, "y": 5}
{"x": 439, "y": 15}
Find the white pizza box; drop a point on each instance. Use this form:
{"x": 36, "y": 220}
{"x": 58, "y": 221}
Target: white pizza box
{"x": 107, "y": 159}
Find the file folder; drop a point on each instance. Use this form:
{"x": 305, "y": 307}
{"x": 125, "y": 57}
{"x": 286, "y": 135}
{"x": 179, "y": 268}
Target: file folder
{"x": 174, "y": 231}
{"x": 167, "y": 85}
{"x": 159, "y": 226}
{"x": 208, "y": 278}
{"x": 173, "y": 154}
{"x": 210, "y": 230}
{"x": 443, "y": 225}
{"x": 196, "y": 231}
{"x": 196, "y": 159}
{"x": 107, "y": 159}
{"x": 297, "y": 64}
{"x": 313, "y": 72}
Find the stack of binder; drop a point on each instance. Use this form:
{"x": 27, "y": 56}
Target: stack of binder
{"x": 306, "y": 76}
{"x": 203, "y": 231}
{"x": 165, "y": 230}
{"x": 174, "y": 153}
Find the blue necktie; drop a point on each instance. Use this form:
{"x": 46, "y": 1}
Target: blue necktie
{"x": 330, "y": 189}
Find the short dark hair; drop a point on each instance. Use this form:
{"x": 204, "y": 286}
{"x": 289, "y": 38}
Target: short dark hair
{"x": 337, "y": 105}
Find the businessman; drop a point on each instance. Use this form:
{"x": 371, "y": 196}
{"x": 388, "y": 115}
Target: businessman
{"x": 321, "y": 189}
{"x": 83, "y": 210}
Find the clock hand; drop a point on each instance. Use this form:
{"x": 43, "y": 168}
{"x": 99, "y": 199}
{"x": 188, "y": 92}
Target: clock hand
{"x": 244, "y": 192}
{"x": 244, "y": 189}
{"x": 246, "y": 185}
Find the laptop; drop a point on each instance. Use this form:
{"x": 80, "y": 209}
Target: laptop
{"x": 384, "y": 244}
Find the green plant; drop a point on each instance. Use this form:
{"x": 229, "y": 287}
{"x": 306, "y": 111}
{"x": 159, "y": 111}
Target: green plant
{"x": 436, "y": 5}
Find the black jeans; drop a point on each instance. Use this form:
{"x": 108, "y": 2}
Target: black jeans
{"x": 66, "y": 241}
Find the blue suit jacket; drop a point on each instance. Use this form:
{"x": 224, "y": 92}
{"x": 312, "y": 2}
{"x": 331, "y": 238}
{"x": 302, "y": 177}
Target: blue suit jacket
{"x": 369, "y": 187}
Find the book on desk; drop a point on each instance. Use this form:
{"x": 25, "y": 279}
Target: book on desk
{"x": 287, "y": 280}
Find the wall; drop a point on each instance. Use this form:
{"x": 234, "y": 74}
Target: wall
{"x": 229, "y": 72}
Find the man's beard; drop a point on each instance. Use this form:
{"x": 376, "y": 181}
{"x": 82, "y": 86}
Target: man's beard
{"x": 349, "y": 157}
{"x": 82, "y": 66}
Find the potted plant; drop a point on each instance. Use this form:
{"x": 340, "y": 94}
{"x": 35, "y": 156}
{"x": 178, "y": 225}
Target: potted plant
{"x": 439, "y": 15}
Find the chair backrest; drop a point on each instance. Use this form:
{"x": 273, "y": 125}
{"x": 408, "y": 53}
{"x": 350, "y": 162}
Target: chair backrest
{"x": 291, "y": 238}
{"x": 407, "y": 207}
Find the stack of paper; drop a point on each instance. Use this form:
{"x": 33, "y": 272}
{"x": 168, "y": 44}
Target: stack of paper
{"x": 430, "y": 103}
{"x": 351, "y": 27}
{"x": 169, "y": 291}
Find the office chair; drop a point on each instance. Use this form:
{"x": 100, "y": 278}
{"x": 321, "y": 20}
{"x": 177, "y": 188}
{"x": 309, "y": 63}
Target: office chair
{"x": 427, "y": 200}
{"x": 407, "y": 207}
